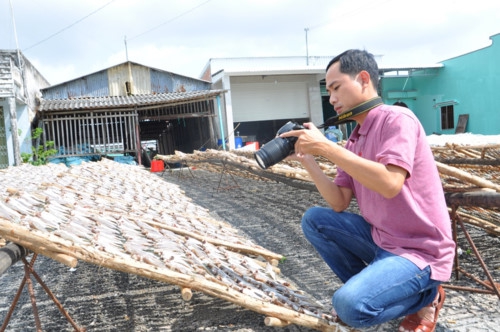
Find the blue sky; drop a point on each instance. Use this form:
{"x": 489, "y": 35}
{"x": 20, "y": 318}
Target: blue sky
{"x": 66, "y": 39}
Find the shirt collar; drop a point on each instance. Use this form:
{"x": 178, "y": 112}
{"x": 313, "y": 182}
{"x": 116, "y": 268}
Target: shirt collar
{"x": 367, "y": 124}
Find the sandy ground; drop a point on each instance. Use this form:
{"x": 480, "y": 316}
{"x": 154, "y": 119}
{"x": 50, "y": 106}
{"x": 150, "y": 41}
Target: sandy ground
{"x": 269, "y": 213}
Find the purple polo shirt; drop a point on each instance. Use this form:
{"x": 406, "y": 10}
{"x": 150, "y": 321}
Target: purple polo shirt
{"x": 415, "y": 224}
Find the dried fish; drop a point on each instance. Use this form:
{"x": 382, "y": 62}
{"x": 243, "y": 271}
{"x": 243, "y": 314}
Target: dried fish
{"x": 143, "y": 256}
{"x": 176, "y": 263}
{"x": 33, "y": 201}
{"x": 107, "y": 238}
{"x": 103, "y": 220}
{"x": 77, "y": 240}
{"x": 223, "y": 277}
{"x": 110, "y": 248}
{"x": 15, "y": 205}
{"x": 78, "y": 231}
{"x": 50, "y": 220}
{"x": 53, "y": 210}
{"x": 8, "y": 213}
{"x": 255, "y": 292}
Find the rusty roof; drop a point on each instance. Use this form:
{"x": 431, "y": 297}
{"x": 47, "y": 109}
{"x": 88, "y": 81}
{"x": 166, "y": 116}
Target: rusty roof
{"x": 132, "y": 101}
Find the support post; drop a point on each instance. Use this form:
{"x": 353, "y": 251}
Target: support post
{"x": 13, "y": 128}
{"x": 11, "y": 254}
{"x": 28, "y": 272}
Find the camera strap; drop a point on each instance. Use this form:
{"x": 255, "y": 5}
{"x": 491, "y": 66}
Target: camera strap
{"x": 347, "y": 116}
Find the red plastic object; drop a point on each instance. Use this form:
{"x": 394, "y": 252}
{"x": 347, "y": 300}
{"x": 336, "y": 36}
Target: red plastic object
{"x": 255, "y": 145}
{"x": 157, "y": 166}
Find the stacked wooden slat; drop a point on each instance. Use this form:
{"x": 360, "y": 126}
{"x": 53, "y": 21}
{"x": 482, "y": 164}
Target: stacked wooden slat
{"x": 242, "y": 163}
{"x": 472, "y": 168}
{"x": 463, "y": 168}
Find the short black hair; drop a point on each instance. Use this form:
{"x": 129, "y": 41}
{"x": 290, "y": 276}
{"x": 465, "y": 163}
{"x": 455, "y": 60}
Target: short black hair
{"x": 354, "y": 61}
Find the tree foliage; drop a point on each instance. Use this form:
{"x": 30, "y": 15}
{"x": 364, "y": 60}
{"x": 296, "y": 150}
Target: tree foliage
{"x": 40, "y": 152}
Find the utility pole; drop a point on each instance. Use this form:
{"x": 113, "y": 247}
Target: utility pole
{"x": 307, "y": 47}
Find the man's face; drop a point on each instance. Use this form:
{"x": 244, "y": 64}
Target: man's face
{"x": 345, "y": 92}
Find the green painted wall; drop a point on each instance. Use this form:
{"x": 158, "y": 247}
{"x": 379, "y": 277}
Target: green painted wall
{"x": 471, "y": 81}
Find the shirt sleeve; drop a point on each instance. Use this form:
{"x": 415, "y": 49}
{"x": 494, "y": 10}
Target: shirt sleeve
{"x": 343, "y": 179}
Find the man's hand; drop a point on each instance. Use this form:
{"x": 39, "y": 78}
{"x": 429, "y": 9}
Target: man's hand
{"x": 308, "y": 140}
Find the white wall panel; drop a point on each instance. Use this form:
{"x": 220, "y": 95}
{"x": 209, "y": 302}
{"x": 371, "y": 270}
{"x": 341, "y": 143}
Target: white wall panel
{"x": 269, "y": 101}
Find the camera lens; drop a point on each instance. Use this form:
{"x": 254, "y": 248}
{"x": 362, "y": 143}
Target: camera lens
{"x": 274, "y": 151}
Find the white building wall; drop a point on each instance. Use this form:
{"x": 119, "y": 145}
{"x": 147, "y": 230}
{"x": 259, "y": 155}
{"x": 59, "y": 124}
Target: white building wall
{"x": 272, "y": 97}
{"x": 262, "y": 89}
{"x": 260, "y": 98}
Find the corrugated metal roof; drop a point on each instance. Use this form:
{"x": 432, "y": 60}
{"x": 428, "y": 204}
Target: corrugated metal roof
{"x": 266, "y": 64}
{"x": 293, "y": 65}
{"x": 118, "y": 65}
{"x": 139, "y": 101}
{"x": 410, "y": 67}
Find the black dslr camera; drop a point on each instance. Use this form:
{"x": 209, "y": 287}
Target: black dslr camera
{"x": 279, "y": 148}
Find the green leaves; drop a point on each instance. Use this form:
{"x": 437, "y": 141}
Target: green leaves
{"x": 40, "y": 152}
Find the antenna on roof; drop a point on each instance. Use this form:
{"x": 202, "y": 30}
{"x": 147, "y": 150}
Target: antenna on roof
{"x": 307, "y": 47}
{"x": 126, "y": 49}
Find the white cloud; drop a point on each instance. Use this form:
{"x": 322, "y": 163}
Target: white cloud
{"x": 182, "y": 35}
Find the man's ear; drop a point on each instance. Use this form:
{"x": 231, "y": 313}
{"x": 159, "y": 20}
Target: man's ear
{"x": 365, "y": 77}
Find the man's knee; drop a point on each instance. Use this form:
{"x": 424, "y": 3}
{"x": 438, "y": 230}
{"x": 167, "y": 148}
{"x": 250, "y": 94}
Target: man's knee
{"x": 308, "y": 219}
{"x": 351, "y": 309}
{"x": 311, "y": 213}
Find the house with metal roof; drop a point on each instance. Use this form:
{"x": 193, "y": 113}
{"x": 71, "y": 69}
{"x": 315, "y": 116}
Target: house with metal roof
{"x": 128, "y": 109}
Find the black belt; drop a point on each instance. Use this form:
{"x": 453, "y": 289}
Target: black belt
{"x": 347, "y": 116}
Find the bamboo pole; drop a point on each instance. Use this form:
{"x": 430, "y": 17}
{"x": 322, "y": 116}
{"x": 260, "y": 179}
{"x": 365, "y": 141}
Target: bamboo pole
{"x": 276, "y": 322}
{"x": 11, "y": 254}
{"x": 486, "y": 225}
{"x": 466, "y": 162}
{"x": 268, "y": 255}
{"x": 470, "y": 153}
{"x": 484, "y": 199}
{"x": 59, "y": 257}
{"x": 186, "y": 293}
{"x": 464, "y": 176}
{"x": 49, "y": 245}
{"x": 448, "y": 147}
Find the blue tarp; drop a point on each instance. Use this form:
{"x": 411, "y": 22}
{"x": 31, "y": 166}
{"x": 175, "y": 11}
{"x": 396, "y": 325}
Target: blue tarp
{"x": 85, "y": 148}
{"x": 73, "y": 161}
{"x": 125, "y": 160}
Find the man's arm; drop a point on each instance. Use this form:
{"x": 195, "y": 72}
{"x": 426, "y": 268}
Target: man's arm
{"x": 337, "y": 197}
{"x": 385, "y": 180}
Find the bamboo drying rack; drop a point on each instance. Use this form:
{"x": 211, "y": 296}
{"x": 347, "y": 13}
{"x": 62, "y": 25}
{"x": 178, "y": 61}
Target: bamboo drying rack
{"x": 107, "y": 191}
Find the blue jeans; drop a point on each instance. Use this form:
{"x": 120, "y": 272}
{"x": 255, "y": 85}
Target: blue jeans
{"x": 378, "y": 286}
